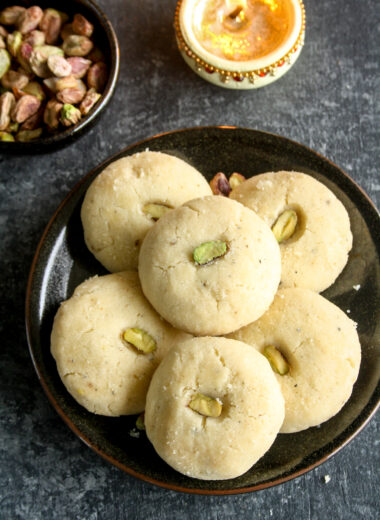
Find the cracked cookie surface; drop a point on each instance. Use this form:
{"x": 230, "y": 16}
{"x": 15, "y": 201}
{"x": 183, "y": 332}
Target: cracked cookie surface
{"x": 114, "y": 215}
{"x": 213, "y": 448}
{"x": 321, "y": 346}
{"x": 103, "y": 372}
{"x": 224, "y": 294}
{"x": 316, "y": 253}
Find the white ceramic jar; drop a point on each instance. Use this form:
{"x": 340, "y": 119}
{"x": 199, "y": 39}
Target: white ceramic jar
{"x": 225, "y": 71}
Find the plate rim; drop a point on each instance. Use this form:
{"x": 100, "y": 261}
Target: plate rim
{"x": 365, "y": 415}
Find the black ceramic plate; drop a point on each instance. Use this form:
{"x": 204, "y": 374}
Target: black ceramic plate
{"x": 62, "y": 262}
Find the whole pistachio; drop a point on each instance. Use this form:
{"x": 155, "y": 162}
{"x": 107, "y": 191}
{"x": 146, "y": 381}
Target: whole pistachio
{"x": 79, "y": 66}
{"x": 24, "y": 55}
{"x": 6, "y": 136}
{"x": 28, "y": 135}
{"x": 29, "y": 19}
{"x": 70, "y": 115}
{"x": 75, "y": 45}
{"x": 52, "y": 113}
{"x": 35, "y": 38}
{"x": 220, "y": 185}
{"x": 72, "y": 95}
{"x": 90, "y": 99}
{"x": 59, "y": 66}
{"x": 10, "y": 15}
{"x": 14, "y": 41}
{"x": 35, "y": 89}
{"x": 5, "y": 62}
{"x": 82, "y": 26}
{"x": 97, "y": 76}
{"x": 7, "y": 104}
{"x": 25, "y": 107}
{"x": 12, "y": 78}
{"x": 51, "y": 24}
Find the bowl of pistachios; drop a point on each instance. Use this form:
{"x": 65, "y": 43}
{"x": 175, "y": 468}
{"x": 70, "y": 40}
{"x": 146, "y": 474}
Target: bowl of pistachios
{"x": 59, "y": 64}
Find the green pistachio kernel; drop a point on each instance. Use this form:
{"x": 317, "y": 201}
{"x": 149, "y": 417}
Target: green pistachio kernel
{"x": 209, "y": 251}
{"x": 140, "y": 339}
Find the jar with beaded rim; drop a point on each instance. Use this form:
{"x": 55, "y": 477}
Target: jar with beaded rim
{"x": 240, "y": 44}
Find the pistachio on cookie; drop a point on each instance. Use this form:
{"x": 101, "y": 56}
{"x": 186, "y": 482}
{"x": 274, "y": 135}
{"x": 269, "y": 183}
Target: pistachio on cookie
{"x": 285, "y": 225}
{"x": 209, "y": 251}
{"x": 205, "y": 405}
{"x": 156, "y": 210}
{"x": 140, "y": 340}
{"x": 276, "y": 360}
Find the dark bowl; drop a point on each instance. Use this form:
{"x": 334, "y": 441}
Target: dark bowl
{"x": 62, "y": 262}
{"x": 105, "y": 38}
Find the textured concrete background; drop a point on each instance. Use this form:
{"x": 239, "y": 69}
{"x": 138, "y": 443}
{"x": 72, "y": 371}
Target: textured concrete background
{"x": 330, "y": 102}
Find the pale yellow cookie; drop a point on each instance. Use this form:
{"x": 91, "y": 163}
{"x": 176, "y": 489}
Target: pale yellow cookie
{"x": 320, "y": 346}
{"x": 117, "y": 212}
{"x": 217, "y": 297}
{"x": 239, "y": 389}
{"x": 101, "y": 370}
{"x": 317, "y": 251}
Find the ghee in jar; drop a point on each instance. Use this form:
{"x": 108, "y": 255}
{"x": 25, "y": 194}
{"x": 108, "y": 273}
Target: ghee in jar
{"x": 242, "y": 30}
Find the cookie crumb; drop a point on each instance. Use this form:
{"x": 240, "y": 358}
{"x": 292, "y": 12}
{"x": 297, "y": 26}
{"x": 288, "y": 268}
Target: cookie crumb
{"x": 356, "y": 287}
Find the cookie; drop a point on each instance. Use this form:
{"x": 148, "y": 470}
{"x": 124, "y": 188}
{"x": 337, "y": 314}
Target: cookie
{"x": 117, "y": 210}
{"x": 317, "y": 251}
{"x": 235, "y": 287}
{"x": 218, "y": 376}
{"x": 102, "y": 371}
{"x": 321, "y": 349}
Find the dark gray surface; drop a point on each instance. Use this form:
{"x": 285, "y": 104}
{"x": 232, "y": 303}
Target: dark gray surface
{"x": 329, "y": 101}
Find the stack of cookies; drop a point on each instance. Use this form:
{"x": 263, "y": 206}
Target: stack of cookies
{"x": 210, "y": 320}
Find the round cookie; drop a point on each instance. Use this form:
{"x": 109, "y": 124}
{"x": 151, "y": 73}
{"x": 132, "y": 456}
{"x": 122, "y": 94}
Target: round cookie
{"x": 115, "y": 212}
{"x": 321, "y": 347}
{"x": 223, "y": 295}
{"x": 318, "y": 250}
{"x": 242, "y": 382}
{"x": 104, "y": 373}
